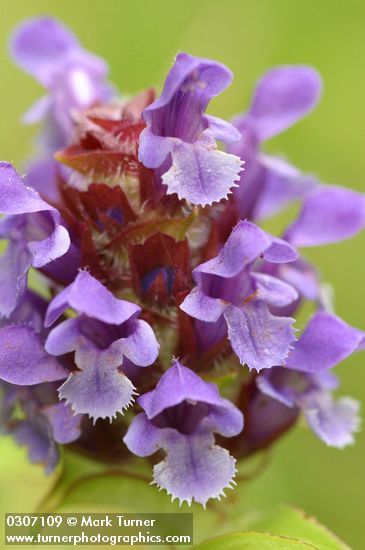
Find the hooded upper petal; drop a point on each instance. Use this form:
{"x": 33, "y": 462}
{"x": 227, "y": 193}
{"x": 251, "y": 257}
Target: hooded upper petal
{"x": 88, "y": 296}
{"x": 177, "y": 385}
{"x": 283, "y": 96}
{"x": 326, "y": 341}
{"x": 40, "y": 44}
{"x": 329, "y": 214}
{"x": 190, "y": 85}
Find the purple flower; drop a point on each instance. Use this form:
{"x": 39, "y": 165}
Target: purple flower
{"x": 105, "y": 332}
{"x": 329, "y": 213}
{"x": 26, "y": 371}
{"x": 74, "y": 78}
{"x": 180, "y": 139}
{"x": 307, "y": 384}
{"x": 181, "y": 416}
{"x": 283, "y": 96}
{"x": 229, "y": 286}
{"x": 44, "y": 426}
{"x": 34, "y": 231}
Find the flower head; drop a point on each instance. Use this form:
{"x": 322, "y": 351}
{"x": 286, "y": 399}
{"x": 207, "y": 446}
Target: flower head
{"x": 142, "y": 230}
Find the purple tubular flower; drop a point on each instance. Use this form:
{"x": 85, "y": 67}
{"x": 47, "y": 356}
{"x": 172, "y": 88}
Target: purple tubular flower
{"x": 43, "y": 429}
{"x": 105, "y": 332}
{"x": 307, "y": 384}
{"x": 181, "y": 140}
{"x": 26, "y": 374}
{"x": 329, "y": 213}
{"x": 181, "y": 416}
{"x": 74, "y": 78}
{"x": 228, "y": 286}
{"x": 35, "y": 234}
{"x": 35, "y": 433}
{"x": 283, "y": 96}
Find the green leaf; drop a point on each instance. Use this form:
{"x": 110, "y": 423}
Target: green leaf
{"x": 292, "y": 522}
{"x": 252, "y": 540}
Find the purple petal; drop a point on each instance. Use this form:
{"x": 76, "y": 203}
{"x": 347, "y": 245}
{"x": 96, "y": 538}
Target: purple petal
{"x": 335, "y": 422}
{"x": 258, "y": 338}
{"x": 200, "y": 306}
{"x": 283, "y": 96}
{"x": 283, "y": 184}
{"x": 99, "y": 389}
{"x": 15, "y": 197}
{"x": 30, "y": 216}
{"x": 225, "y": 419}
{"x": 267, "y": 420}
{"x": 273, "y": 291}
{"x": 51, "y": 248}
{"x": 245, "y": 243}
{"x": 37, "y": 112}
{"x": 189, "y": 86}
{"x": 30, "y": 311}
{"x": 141, "y": 347}
{"x": 142, "y": 437}
{"x": 65, "y": 268}
{"x": 41, "y": 175}
{"x": 281, "y": 390}
{"x": 326, "y": 341}
{"x": 209, "y": 334}
{"x": 65, "y": 425}
{"x": 40, "y": 44}
{"x": 329, "y": 214}
{"x": 200, "y": 173}
{"x": 88, "y": 296}
{"x": 154, "y": 149}
{"x": 64, "y": 338}
{"x": 222, "y": 130}
{"x": 35, "y": 434}
{"x": 280, "y": 252}
{"x": 194, "y": 468}
{"x": 176, "y": 385}
{"x": 23, "y": 360}
{"x": 14, "y": 266}
{"x": 303, "y": 276}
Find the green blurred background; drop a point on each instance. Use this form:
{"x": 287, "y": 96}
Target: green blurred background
{"x": 139, "y": 39}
